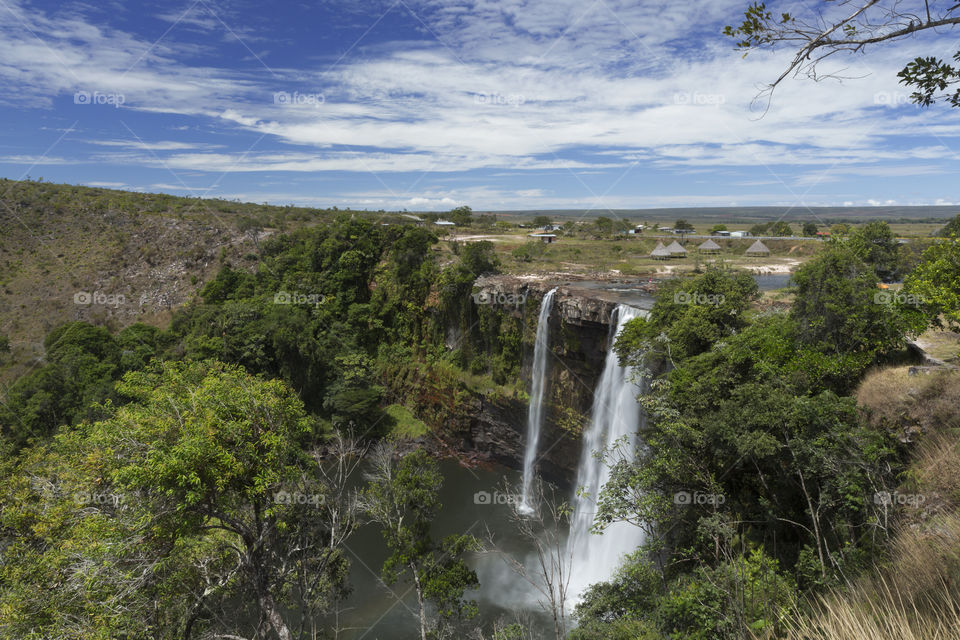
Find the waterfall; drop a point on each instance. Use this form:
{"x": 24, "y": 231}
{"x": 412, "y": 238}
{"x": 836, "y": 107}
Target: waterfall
{"x": 616, "y": 414}
{"x": 538, "y": 384}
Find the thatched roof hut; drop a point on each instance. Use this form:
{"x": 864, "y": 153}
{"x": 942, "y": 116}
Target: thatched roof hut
{"x": 674, "y": 249}
{"x": 660, "y": 252}
{"x": 758, "y": 249}
{"x": 709, "y": 247}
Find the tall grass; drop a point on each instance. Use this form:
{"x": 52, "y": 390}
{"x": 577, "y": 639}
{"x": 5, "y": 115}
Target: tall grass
{"x": 878, "y": 610}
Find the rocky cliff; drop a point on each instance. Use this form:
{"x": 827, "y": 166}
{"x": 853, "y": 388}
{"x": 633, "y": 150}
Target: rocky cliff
{"x": 495, "y": 429}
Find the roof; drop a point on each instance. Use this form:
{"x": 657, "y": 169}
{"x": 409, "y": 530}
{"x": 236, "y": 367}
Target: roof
{"x": 675, "y": 247}
{"x": 659, "y": 251}
{"x": 542, "y": 235}
{"x": 758, "y": 247}
{"x": 445, "y": 223}
{"x": 709, "y": 245}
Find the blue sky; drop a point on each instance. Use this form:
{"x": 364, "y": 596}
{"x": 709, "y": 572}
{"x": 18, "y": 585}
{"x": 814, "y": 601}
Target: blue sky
{"x": 429, "y": 104}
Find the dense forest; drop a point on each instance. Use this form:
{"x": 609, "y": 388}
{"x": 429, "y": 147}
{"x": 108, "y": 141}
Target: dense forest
{"x": 193, "y": 481}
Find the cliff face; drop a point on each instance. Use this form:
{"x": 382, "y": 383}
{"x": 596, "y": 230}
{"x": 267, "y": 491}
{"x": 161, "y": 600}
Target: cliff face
{"x": 579, "y": 337}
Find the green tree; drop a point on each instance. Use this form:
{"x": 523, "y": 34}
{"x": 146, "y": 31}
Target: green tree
{"x": 809, "y": 229}
{"x": 840, "y": 311}
{"x": 717, "y": 227}
{"x": 781, "y": 228}
{"x": 462, "y": 215}
{"x": 951, "y": 229}
{"x": 542, "y": 221}
{"x": 204, "y": 524}
{"x": 604, "y": 225}
{"x": 935, "y": 282}
{"x": 875, "y": 244}
{"x": 760, "y": 229}
{"x": 682, "y": 225}
{"x": 690, "y": 315}
{"x": 403, "y": 497}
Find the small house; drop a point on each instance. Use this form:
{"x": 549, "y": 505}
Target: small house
{"x": 659, "y": 252}
{"x": 758, "y": 249}
{"x": 709, "y": 247}
{"x": 546, "y": 238}
{"x": 739, "y": 234}
{"x": 445, "y": 223}
{"x": 674, "y": 249}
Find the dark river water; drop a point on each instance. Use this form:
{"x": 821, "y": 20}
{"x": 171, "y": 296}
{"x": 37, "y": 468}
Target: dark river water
{"x": 473, "y": 502}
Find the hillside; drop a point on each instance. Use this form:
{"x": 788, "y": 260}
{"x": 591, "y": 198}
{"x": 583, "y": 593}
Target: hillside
{"x": 114, "y": 257}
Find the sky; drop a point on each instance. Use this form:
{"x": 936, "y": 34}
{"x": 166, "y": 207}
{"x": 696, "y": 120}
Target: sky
{"x": 431, "y": 104}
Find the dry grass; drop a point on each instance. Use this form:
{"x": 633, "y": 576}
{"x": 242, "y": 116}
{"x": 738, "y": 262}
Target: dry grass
{"x": 917, "y": 595}
{"x": 892, "y": 399}
{"x": 914, "y": 599}
{"x": 878, "y": 611}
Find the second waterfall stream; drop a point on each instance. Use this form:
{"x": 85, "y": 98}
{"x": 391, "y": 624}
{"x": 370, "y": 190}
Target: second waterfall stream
{"x": 538, "y": 383}
{"x": 616, "y": 416}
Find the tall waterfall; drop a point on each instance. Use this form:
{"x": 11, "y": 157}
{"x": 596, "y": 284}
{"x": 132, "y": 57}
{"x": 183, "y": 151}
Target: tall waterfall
{"x": 616, "y": 415}
{"x": 537, "y": 386}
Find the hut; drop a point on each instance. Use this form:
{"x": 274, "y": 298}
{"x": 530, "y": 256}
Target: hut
{"x": 709, "y": 247}
{"x": 660, "y": 252}
{"x": 546, "y": 238}
{"x": 758, "y": 249}
{"x": 674, "y": 249}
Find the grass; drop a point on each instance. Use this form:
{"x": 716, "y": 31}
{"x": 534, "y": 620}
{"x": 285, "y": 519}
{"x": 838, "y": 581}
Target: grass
{"x": 916, "y": 595}
{"x": 892, "y": 399}
{"x": 406, "y": 425}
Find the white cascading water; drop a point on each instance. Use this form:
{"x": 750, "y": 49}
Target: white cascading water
{"x": 616, "y": 415}
{"x": 538, "y": 385}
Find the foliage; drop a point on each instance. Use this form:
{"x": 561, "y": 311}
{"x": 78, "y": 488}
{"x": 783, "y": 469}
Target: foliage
{"x": 875, "y": 244}
{"x": 840, "y": 312}
{"x": 936, "y": 282}
{"x": 191, "y": 525}
{"x": 404, "y": 499}
{"x": 691, "y": 315}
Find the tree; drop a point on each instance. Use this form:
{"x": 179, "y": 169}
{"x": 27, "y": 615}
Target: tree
{"x": 461, "y": 215}
{"x": 840, "y": 229}
{"x": 542, "y": 221}
{"x": 781, "y": 228}
{"x": 951, "y": 229}
{"x": 682, "y": 225}
{"x": 759, "y": 229}
{"x": 214, "y": 513}
{"x": 809, "y": 229}
{"x": 840, "y": 311}
{"x": 604, "y": 225}
{"x": 875, "y": 244}
{"x": 717, "y": 227}
{"x": 852, "y": 27}
{"x": 404, "y": 499}
{"x": 936, "y": 282}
